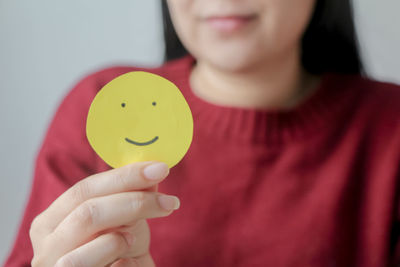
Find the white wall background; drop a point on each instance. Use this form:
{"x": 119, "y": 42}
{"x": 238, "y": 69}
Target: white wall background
{"x": 48, "y": 45}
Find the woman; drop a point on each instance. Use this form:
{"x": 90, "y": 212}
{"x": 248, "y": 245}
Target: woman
{"x": 294, "y": 161}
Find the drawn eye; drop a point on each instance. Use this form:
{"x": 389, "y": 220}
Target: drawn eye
{"x": 123, "y": 105}
{"x": 154, "y": 103}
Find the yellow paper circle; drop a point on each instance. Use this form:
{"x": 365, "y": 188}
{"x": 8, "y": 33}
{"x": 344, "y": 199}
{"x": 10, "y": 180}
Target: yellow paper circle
{"x": 139, "y": 116}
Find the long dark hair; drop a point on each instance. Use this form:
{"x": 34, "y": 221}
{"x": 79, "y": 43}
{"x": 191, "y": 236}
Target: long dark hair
{"x": 329, "y": 43}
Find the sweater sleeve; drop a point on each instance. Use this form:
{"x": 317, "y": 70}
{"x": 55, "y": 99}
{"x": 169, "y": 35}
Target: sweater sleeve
{"x": 395, "y": 235}
{"x": 65, "y": 157}
{"x": 395, "y": 231}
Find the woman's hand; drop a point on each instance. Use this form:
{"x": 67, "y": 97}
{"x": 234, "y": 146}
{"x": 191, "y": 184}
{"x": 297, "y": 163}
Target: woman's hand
{"x": 101, "y": 221}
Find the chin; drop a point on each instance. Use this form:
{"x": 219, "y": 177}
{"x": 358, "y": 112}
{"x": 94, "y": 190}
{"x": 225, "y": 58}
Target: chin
{"x": 234, "y": 55}
{"x": 230, "y": 61}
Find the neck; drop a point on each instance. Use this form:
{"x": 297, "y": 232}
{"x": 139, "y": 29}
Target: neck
{"x": 280, "y": 84}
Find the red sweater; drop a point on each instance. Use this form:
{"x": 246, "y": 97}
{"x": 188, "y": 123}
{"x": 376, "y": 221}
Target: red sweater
{"x": 315, "y": 186}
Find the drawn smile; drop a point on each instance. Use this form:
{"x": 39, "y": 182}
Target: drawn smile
{"x": 142, "y": 144}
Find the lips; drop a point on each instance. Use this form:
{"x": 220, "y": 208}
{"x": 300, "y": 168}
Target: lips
{"x": 229, "y": 23}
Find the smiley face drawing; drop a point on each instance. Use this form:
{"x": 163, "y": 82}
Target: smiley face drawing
{"x": 139, "y": 116}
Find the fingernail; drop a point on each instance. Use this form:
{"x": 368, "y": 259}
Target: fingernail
{"x": 169, "y": 202}
{"x": 129, "y": 238}
{"x": 156, "y": 171}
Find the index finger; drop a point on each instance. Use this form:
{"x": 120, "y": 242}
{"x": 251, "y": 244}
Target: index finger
{"x": 132, "y": 177}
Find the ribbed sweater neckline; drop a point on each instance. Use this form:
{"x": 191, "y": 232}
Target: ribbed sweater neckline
{"x": 326, "y": 105}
